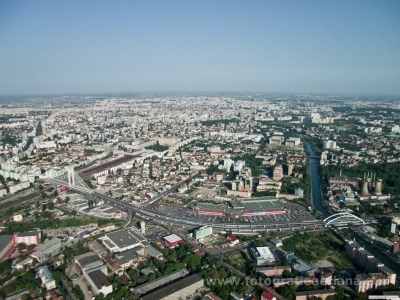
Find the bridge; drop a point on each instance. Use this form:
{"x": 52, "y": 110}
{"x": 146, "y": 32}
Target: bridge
{"x": 343, "y": 218}
{"x": 72, "y": 181}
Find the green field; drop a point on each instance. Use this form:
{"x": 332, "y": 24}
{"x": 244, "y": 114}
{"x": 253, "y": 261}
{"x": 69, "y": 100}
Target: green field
{"x": 315, "y": 246}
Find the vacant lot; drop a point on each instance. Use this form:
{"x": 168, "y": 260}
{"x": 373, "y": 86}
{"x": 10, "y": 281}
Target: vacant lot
{"x": 318, "y": 246}
{"x": 206, "y": 193}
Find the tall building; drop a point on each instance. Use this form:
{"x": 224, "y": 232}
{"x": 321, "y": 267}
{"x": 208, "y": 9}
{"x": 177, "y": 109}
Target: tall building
{"x": 290, "y": 169}
{"x": 395, "y": 222}
{"x": 278, "y": 173}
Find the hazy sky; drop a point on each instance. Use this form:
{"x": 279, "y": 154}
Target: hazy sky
{"x": 134, "y": 46}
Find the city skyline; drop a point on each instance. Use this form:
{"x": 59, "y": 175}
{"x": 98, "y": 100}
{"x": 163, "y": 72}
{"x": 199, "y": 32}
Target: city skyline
{"x": 346, "y": 48}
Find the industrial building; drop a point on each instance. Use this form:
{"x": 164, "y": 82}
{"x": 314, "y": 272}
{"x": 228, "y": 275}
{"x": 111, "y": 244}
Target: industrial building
{"x": 149, "y": 286}
{"x": 202, "y": 232}
{"x": 178, "y": 290}
{"x": 172, "y": 240}
{"x": 48, "y": 247}
{"x": 253, "y": 207}
{"x": 6, "y": 244}
{"x": 122, "y": 240}
{"x": 94, "y": 271}
{"x": 99, "y": 282}
{"x": 262, "y": 255}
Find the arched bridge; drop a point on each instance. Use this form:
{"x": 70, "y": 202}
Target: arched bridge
{"x": 343, "y": 218}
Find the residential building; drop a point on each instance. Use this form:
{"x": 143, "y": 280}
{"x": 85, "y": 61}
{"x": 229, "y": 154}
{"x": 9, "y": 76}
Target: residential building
{"x": 47, "y": 279}
{"x": 28, "y": 238}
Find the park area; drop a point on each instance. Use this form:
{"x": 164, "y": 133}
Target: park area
{"x": 319, "y": 248}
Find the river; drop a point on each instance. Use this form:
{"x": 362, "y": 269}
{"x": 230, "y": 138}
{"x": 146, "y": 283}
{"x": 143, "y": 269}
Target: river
{"x": 315, "y": 183}
{"x": 318, "y": 205}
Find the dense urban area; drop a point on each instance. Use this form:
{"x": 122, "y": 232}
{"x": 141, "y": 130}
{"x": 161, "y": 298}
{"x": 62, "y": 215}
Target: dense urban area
{"x": 199, "y": 197}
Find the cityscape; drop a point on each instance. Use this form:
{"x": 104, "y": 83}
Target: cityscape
{"x": 199, "y": 197}
{"x": 199, "y": 150}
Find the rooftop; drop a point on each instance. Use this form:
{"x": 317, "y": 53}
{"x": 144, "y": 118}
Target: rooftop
{"x": 125, "y": 237}
{"x": 147, "y": 287}
{"x": 172, "y": 288}
{"x": 99, "y": 279}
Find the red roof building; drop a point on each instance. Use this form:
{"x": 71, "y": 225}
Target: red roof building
{"x": 267, "y": 296}
{"x": 172, "y": 240}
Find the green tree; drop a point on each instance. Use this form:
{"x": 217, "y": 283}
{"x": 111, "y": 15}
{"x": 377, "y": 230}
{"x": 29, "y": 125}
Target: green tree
{"x": 21, "y": 246}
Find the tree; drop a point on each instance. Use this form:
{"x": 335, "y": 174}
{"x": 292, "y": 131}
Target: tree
{"x": 21, "y": 246}
{"x": 50, "y": 205}
{"x": 67, "y": 199}
{"x": 44, "y": 207}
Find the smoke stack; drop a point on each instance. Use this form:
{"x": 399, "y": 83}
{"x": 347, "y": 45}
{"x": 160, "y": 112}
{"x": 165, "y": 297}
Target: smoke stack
{"x": 364, "y": 189}
{"x": 378, "y": 187}
{"x": 368, "y": 179}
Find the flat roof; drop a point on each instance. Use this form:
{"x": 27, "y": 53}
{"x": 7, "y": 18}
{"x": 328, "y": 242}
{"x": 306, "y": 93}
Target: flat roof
{"x": 99, "y": 279}
{"x": 88, "y": 260}
{"x": 5, "y": 240}
{"x": 174, "y": 287}
{"x": 97, "y": 248}
{"x": 29, "y": 233}
{"x": 48, "y": 244}
{"x": 316, "y": 292}
{"x": 265, "y": 253}
{"x": 125, "y": 237}
{"x": 147, "y": 287}
{"x": 173, "y": 238}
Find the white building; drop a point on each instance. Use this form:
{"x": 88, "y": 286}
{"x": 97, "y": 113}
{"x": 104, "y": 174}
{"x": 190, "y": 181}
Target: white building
{"x": 328, "y": 144}
{"x": 47, "y": 279}
{"x": 293, "y": 142}
{"x": 276, "y": 140}
{"x": 17, "y": 217}
{"x": 262, "y": 255}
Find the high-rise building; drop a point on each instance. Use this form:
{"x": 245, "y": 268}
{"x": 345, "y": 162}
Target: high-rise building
{"x": 278, "y": 173}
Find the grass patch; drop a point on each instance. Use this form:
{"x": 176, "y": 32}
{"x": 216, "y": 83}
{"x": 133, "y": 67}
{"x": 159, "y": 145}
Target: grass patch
{"x": 314, "y": 246}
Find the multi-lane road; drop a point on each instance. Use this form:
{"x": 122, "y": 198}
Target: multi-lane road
{"x": 166, "y": 219}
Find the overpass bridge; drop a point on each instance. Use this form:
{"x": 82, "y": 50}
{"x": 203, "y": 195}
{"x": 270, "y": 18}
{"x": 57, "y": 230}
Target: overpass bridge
{"x": 75, "y": 183}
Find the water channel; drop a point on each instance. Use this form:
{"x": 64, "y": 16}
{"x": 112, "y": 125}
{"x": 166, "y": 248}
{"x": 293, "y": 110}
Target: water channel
{"x": 318, "y": 205}
{"x": 315, "y": 183}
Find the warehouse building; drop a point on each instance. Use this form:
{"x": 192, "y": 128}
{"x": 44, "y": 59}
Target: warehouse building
{"x": 172, "y": 240}
{"x": 122, "y": 240}
{"x": 178, "y": 290}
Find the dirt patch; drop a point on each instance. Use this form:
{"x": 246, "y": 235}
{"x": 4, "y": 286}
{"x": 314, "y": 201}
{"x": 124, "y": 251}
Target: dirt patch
{"x": 323, "y": 263}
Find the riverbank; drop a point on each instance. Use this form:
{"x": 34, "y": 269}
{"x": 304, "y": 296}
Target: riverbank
{"x": 316, "y": 193}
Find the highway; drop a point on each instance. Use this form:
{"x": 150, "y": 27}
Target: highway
{"x": 189, "y": 223}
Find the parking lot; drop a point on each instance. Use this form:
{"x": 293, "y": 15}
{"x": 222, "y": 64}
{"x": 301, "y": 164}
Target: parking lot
{"x": 294, "y": 213}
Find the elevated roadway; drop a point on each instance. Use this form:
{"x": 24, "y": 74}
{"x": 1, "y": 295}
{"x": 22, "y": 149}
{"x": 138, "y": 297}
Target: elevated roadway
{"x": 167, "y": 219}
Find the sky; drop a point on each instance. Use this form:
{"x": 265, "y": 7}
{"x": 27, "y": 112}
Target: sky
{"x": 69, "y": 47}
